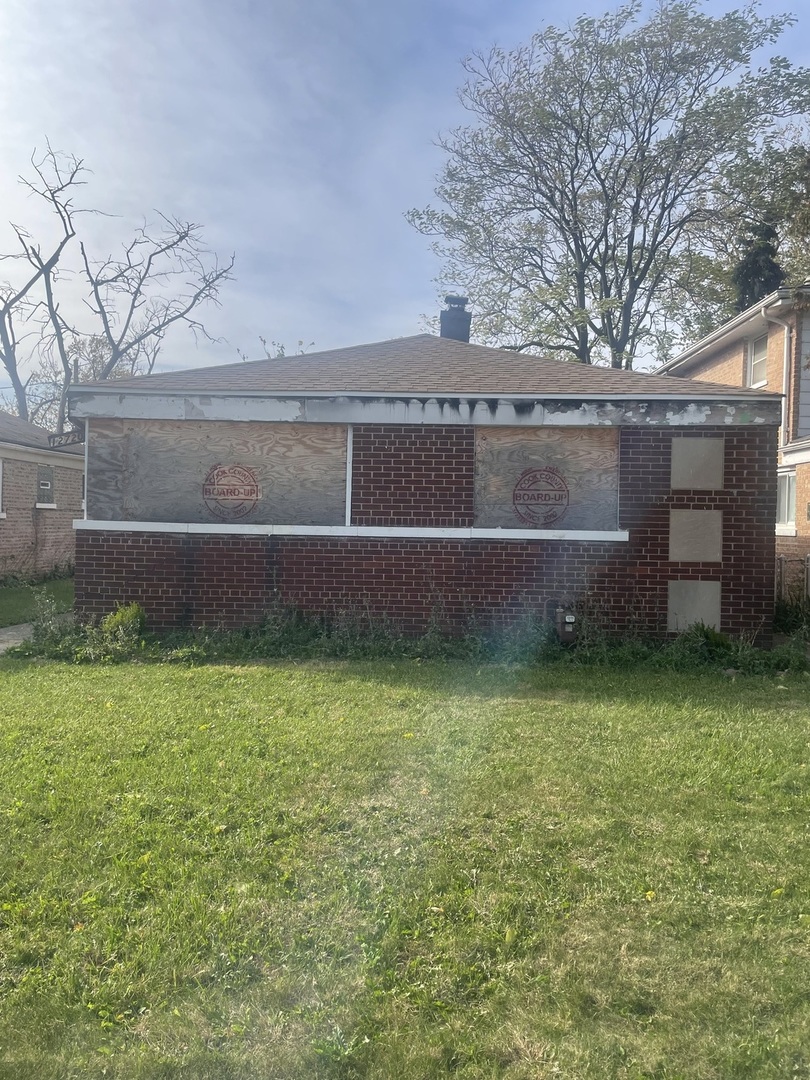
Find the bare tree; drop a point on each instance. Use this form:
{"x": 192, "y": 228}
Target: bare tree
{"x": 163, "y": 278}
{"x": 88, "y": 358}
{"x": 57, "y": 177}
{"x": 276, "y": 350}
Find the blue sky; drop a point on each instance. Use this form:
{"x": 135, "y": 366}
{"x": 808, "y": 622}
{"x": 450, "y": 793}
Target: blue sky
{"x": 297, "y": 131}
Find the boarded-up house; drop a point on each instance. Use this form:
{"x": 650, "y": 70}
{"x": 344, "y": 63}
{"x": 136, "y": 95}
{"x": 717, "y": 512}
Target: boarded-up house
{"x": 427, "y": 477}
{"x": 40, "y": 496}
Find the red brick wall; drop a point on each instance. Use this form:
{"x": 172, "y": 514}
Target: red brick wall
{"x": 413, "y": 476}
{"x": 197, "y": 579}
{"x": 180, "y": 580}
{"x": 748, "y": 503}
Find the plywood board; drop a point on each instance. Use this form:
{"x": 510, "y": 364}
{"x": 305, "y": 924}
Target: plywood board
{"x": 547, "y": 478}
{"x": 696, "y": 536}
{"x": 105, "y": 475}
{"x": 218, "y": 471}
{"x": 698, "y": 463}
{"x": 691, "y": 602}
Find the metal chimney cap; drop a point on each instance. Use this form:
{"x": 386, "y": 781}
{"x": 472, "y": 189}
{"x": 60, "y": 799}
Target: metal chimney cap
{"x": 455, "y": 301}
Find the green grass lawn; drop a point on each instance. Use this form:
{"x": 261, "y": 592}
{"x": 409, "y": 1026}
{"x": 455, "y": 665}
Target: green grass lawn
{"x": 402, "y": 870}
{"x": 18, "y": 602}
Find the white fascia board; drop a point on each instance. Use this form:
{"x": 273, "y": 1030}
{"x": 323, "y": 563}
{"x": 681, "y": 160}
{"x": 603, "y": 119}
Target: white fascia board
{"x": 802, "y": 443}
{"x": 183, "y": 400}
{"x": 795, "y": 455}
{"x": 15, "y": 452}
{"x": 356, "y": 531}
{"x": 518, "y": 411}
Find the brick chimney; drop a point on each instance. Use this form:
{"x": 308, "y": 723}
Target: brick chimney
{"x": 455, "y": 321}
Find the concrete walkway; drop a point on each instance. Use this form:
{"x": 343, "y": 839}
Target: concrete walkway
{"x": 14, "y": 635}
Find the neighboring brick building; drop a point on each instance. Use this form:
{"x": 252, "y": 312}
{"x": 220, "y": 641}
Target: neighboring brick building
{"x": 427, "y": 477}
{"x": 40, "y": 496}
{"x": 767, "y": 347}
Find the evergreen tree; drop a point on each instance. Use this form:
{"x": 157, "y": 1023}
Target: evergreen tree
{"x": 757, "y": 273}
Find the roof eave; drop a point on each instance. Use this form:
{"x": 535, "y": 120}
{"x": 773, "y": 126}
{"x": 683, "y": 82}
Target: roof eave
{"x": 779, "y": 299}
{"x": 9, "y": 445}
{"x": 428, "y": 395}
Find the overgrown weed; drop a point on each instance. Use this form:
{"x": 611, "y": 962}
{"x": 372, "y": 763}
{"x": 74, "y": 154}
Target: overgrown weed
{"x": 287, "y": 633}
{"x": 19, "y": 598}
{"x": 120, "y": 635}
{"x": 792, "y": 617}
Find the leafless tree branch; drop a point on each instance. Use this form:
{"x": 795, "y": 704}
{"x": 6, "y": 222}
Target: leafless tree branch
{"x": 163, "y": 277}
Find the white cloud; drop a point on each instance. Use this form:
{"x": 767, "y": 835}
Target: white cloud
{"x": 297, "y": 131}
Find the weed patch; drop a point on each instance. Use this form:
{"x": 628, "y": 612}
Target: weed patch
{"x": 19, "y": 600}
{"x": 286, "y": 633}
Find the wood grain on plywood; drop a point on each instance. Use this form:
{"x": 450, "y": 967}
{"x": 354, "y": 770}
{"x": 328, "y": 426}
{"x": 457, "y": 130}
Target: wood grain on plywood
{"x": 586, "y": 458}
{"x": 155, "y": 470}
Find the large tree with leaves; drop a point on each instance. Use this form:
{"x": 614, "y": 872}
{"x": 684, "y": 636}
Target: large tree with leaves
{"x": 128, "y": 302}
{"x": 775, "y": 185}
{"x": 584, "y": 207}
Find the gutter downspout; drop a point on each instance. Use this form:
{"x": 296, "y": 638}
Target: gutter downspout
{"x": 784, "y": 434}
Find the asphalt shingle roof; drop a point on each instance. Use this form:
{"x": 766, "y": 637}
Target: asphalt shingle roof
{"x": 416, "y": 366}
{"x": 21, "y": 433}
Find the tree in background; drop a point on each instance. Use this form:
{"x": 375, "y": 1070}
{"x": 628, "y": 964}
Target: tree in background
{"x": 757, "y": 273}
{"x": 778, "y": 189}
{"x": 275, "y": 350}
{"x": 587, "y": 208}
{"x": 164, "y": 275}
{"x": 47, "y": 385}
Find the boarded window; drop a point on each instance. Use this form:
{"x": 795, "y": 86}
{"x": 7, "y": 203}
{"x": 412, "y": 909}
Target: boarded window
{"x": 547, "y": 478}
{"x": 217, "y": 472}
{"x": 691, "y": 602}
{"x": 698, "y": 463}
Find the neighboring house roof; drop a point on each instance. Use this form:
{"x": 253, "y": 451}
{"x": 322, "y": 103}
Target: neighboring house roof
{"x": 20, "y": 433}
{"x": 750, "y": 323}
{"x": 414, "y": 366}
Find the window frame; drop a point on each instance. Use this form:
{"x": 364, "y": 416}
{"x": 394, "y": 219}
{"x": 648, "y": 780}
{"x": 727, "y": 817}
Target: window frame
{"x": 752, "y": 361}
{"x": 785, "y": 502}
{"x": 51, "y": 504}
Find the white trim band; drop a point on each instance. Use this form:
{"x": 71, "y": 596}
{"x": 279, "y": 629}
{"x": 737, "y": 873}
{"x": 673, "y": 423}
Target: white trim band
{"x": 356, "y": 531}
{"x": 793, "y": 456}
{"x": 349, "y": 460}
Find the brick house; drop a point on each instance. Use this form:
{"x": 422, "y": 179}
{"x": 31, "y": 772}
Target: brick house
{"x": 424, "y": 477}
{"x": 767, "y": 347}
{"x": 40, "y": 496}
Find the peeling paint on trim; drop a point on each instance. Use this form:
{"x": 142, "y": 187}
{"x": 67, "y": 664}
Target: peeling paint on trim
{"x": 514, "y": 411}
